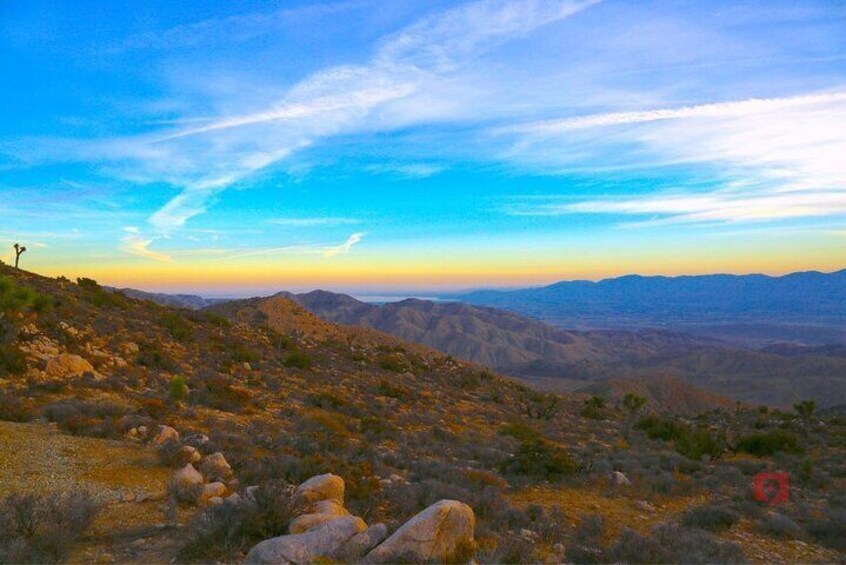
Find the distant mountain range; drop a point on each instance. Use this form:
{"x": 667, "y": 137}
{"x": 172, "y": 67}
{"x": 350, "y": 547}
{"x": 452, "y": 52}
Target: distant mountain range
{"x": 805, "y": 308}
{"x": 774, "y": 372}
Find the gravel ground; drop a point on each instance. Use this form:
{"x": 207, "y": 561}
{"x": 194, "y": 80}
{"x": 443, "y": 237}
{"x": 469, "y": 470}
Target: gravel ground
{"x": 36, "y": 457}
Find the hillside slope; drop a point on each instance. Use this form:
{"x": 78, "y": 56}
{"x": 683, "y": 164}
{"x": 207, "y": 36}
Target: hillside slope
{"x": 559, "y": 359}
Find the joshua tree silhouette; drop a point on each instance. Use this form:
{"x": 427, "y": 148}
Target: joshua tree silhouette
{"x": 18, "y": 250}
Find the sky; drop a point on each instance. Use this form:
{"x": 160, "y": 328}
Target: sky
{"x": 238, "y": 148}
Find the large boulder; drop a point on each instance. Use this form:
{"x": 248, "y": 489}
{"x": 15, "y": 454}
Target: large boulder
{"x": 188, "y": 454}
{"x": 357, "y": 546}
{"x": 212, "y": 490}
{"x": 321, "y": 487}
{"x": 186, "y": 483}
{"x": 68, "y": 365}
{"x": 323, "y": 511}
{"x": 215, "y": 467}
{"x": 322, "y": 541}
{"x": 431, "y": 536}
{"x": 165, "y": 434}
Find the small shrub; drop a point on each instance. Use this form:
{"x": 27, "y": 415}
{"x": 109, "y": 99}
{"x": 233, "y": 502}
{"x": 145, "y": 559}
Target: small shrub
{"x": 710, "y": 517}
{"x": 179, "y": 328}
{"x": 298, "y": 360}
{"x": 539, "y": 459}
{"x": 830, "y": 530}
{"x": 43, "y": 528}
{"x": 698, "y": 443}
{"x": 394, "y": 362}
{"x": 668, "y": 543}
{"x": 225, "y": 532}
{"x": 178, "y": 388}
{"x": 779, "y": 526}
{"x": 520, "y": 431}
{"x": 767, "y": 444}
{"x": 658, "y": 428}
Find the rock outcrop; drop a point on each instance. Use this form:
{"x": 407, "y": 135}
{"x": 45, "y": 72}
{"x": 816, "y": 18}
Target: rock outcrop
{"x": 433, "y": 535}
{"x": 215, "y": 467}
{"x": 321, "y": 487}
{"x": 322, "y": 541}
{"x": 67, "y": 365}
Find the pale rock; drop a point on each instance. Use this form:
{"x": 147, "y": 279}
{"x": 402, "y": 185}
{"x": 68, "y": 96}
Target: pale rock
{"x": 215, "y": 501}
{"x": 322, "y": 541}
{"x": 215, "y": 467}
{"x": 431, "y": 535}
{"x": 212, "y": 490}
{"x": 189, "y": 454}
{"x": 357, "y": 546}
{"x": 165, "y": 434}
{"x": 68, "y": 365}
{"x": 322, "y": 511}
{"x": 321, "y": 487}
{"x": 187, "y": 477}
{"x": 619, "y": 479}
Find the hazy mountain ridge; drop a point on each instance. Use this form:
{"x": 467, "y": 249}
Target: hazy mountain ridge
{"x": 530, "y": 349}
{"x": 806, "y": 307}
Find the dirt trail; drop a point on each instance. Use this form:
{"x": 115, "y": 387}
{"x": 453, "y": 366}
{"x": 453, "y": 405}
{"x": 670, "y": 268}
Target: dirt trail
{"x": 36, "y": 457}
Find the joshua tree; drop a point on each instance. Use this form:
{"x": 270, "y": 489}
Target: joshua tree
{"x": 633, "y": 403}
{"x": 18, "y": 250}
{"x": 805, "y": 409}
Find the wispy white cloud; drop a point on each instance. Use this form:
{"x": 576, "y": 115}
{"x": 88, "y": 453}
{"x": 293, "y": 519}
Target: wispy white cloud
{"x": 306, "y": 249}
{"x": 313, "y": 222}
{"x": 718, "y": 110}
{"x": 344, "y": 247}
{"x": 407, "y": 170}
{"x": 769, "y": 159}
{"x": 135, "y": 244}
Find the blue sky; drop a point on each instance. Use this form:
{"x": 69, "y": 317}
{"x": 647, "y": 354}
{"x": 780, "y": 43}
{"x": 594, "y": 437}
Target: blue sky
{"x": 243, "y": 147}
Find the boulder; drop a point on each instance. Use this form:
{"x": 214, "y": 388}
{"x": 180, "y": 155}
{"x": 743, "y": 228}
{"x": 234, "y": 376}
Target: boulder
{"x": 165, "y": 434}
{"x": 357, "y": 546}
{"x": 321, "y": 487}
{"x": 619, "y": 479}
{"x": 188, "y": 454}
{"x": 213, "y": 490}
{"x": 186, "y": 479}
{"x": 433, "y": 535}
{"x": 215, "y": 467}
{"x": 67, "y": 365}
{"x": 323, "y": 511}
{"x": 322, "y": 541}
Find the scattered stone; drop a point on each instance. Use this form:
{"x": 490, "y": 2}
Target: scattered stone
{"x": 188, "y": 454}
{"x": 619, "y": 479}
{"x": 215, "y": 467}
{"x": 322, "y": 541}
{"x": 187, "y": 477}
{"x": 165, "y": 434}
{"x": 321, "y": 487}
{"x": 432, "y": 535}
{"x": 233, "y": 498}
{"x": 68, "y": 365}
{"x": 212, "y": 490}
{"x": 645, "y": 506}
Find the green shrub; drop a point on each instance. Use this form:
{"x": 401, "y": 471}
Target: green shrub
{"x": 178, "y": 388}
{"x": 520, "y": 431}
{"x": 657, "y": 428}
{"x": 298, "y": 360}
{"x": 178, "y": 326}
{"x": 539, "y": 459}
{"x": 697, "y": 443}
{"x": 766, "y": 444}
